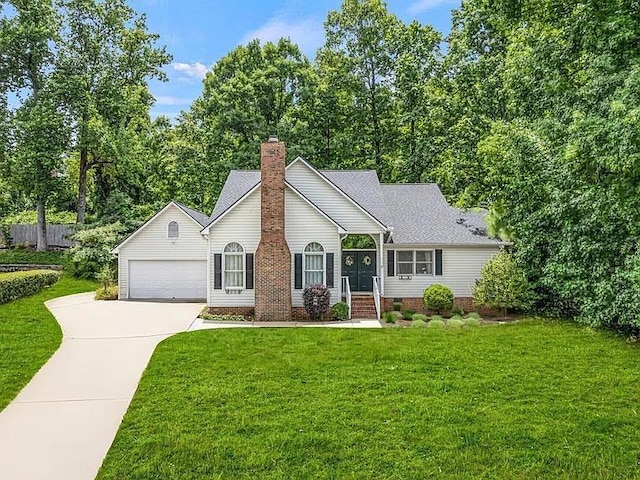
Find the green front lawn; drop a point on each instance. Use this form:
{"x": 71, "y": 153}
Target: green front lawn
{"x": 29, "y": 334}
{"x": 533, "y": 400}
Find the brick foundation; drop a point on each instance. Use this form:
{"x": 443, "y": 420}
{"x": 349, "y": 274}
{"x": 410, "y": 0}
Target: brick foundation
{"x": 416, "y": 304}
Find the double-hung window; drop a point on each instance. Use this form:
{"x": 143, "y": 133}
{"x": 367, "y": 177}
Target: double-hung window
{"x": 313, "y": 264}
{"x": 404, "y": 263}
{"x": 414, "y": 262}
{"x": 233, "y": 265}
{"x": 424, "y": 262}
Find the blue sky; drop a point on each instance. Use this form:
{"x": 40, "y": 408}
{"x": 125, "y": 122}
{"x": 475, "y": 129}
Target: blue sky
{"x": 199, "y": 32}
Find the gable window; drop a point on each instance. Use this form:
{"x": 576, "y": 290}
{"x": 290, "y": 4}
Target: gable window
{"x": 414, "y": 262}
{"x": 313, "y": 264}
{"x": 233, "y": 266}
{"x": 173, "y": 230}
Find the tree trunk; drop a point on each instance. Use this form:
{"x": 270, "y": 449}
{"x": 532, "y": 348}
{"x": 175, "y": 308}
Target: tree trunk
{"x": 82, "y": 186}
{"x": 42, "y": 245}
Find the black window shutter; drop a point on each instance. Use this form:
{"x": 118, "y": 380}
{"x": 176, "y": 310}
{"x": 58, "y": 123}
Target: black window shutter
{"x": 438, "y": 262}
{"x": 329, "y": 270}
{"x": 249, "y": 271}
{"x": 298, "y": 269}
{"x": 217, "y": 271}
{"x": 391, "y": 263}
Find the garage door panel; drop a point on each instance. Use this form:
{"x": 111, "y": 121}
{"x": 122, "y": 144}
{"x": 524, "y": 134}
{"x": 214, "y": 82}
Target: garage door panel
{"x": 169, "y": 279}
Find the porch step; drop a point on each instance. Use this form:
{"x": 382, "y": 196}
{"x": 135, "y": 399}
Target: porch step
{"x": 363, "y": 306}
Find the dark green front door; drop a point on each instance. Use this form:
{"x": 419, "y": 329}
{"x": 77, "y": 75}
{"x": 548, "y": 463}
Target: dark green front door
{"x": 360, "y": 267}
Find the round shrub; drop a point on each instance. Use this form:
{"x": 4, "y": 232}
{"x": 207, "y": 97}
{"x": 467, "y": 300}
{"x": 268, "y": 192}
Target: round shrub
{"x": 419, "y": 316}
{"x": 436, "y": 323}
{"x": 389, "y": 317}
{"x": 419, "y": 323}
{"x": 438, "y": 297}
{"x": 475, "y": 315}
{"x": 437, "y": 317}
{"x": 455, "y": 322}
{"x": 340, "y": 311}
{"x": 316, "y": 300}
{"x": 456, "y": 317}
{"x": 472, "y": 322}
{"x": 408, "y": 314}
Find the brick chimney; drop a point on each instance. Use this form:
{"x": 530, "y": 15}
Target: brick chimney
{"x": 273, "y": 257}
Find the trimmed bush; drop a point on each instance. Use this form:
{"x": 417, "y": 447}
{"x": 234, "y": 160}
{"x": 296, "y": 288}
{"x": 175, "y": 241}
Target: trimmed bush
{"x": 456, "y": 310}
{"x": 475, "y": 315}
{"x": 436, "y": 324}
{"x": 472, "y": 322}
{"x": 438, "y": 297}
{"x": 419, "y": 316}
{"x": 456, "y": 317}
{"x": 408, "y": 314}
{"x": 316, "y": 300}
{"x": 437, "y": 317}
{"x": 455, "y": 322}
{"x": 419, "y": 323}
{"x": 340, "y": 311}
{"x": 389, "y": 317}
{"x": 108, "y": 293}
{"x": 22, "y": 284}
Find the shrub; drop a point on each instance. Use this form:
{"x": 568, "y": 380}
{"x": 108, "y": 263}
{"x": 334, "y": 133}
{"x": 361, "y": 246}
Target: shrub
{"x": 436, "y": 324}
{"x": 93, "y": 250}
{"x": 455, "y": 322}
{"x": 419, "y": 323}
{"x": 340, "y": 311}
{"x": 456, "y": 317}
{"x": 437, "y": 317}
{"x": 456, "y": 310}
{"x": 473, "y": 315}
{"x": 419, "y": 316}
{"x": 21, "y": 284}
{"x": 472, "y": 322}
{"x": 215, "y": 317}
{"x": 502, "y": 284}
{"x": 397, "y": 306}
{"x": 408, "y": 314}
{"x": 108, "y": 293}
{"x": 438, "y": 297}
{"x": 389, "y": 317}
{"x": 316, "y": 300}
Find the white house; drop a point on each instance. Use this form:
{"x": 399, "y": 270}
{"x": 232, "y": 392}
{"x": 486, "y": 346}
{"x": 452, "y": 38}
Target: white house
{"x": 276, "y": 230}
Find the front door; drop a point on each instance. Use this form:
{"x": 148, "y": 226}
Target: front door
{"x": 360, "y": 267}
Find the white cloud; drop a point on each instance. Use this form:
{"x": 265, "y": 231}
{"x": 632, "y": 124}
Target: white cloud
{"x": 423, "y": 5}
{"x": 193, "y": 70}
{"x": 169, "y": 100}
{"x": 308, "y": 33}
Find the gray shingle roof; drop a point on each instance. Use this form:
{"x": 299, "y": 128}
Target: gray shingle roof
{"x": 199, "y": 217}
{"x": 421, "y": 215}
{"x": 418, "y": 213}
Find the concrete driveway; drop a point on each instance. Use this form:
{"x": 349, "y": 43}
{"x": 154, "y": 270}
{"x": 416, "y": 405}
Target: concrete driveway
{"x": 63, "y": 422}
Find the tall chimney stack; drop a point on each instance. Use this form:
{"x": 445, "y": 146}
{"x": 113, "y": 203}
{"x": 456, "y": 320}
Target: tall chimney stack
{"x": 273, "y": 257}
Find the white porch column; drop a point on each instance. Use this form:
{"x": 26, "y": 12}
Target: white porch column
{"x": 381, "y": 269}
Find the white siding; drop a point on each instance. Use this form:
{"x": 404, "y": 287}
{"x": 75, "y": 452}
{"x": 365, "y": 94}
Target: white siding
{"x": 151, "y": 243}
{"x": 461, "y": 267}
{"x": 241, "y": 225}
{"x": 325, "y": 197}
{"x": 303, "y": 224}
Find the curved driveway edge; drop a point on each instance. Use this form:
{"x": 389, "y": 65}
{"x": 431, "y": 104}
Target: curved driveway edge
{"x": 63, "y": 422}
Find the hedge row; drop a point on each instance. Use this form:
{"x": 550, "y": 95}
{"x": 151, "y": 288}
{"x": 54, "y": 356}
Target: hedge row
{"x": 21, "y": 284}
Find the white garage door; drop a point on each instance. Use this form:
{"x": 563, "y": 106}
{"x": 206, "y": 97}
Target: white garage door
{"x": 179, "y": 279}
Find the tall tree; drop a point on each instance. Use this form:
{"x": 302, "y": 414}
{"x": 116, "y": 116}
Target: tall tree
{"x": 28, "y": 30}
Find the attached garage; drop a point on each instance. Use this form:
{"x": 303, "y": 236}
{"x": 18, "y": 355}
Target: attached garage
{"x": 168, "y": 279}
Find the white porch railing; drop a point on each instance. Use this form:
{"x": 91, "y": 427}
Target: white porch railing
{"x": 376, "y": 295}
{"x": 346, "y": 289}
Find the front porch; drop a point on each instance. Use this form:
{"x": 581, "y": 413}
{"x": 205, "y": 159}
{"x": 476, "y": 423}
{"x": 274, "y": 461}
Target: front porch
{"x": 361, "y": 274}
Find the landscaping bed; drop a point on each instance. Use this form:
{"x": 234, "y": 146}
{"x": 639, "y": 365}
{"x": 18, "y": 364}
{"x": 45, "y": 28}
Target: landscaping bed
{"x": 532, "y": 399}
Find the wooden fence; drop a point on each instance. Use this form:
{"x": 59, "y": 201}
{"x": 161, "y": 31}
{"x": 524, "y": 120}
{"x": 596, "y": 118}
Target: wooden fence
{"x": 27, "y": 235}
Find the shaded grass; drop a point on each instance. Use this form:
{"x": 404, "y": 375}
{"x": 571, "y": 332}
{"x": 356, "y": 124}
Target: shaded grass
{"x": 532, "y": 400}
{"x": 29, "y": 335}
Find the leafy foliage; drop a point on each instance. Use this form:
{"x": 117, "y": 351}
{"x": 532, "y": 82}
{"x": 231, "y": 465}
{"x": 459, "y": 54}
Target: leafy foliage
{"x": 316, "y": 299}
{"x": 437, "y": 297}
{"x": 502, "y": 284}
{"x": 340, "y": 311}
{"x": 22, "y": 284}
{"x": 93, "y": 251}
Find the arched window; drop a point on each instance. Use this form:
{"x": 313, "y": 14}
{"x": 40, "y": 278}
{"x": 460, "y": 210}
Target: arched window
{"x": 313, "y": 264}
{"x": 233, "y": 266}
{"x": 173, "y": 230}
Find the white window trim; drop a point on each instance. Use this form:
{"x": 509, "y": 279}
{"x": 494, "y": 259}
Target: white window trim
{"x": 304, "y": 264}
{"x": 415, "y": 263}
{"x": 179, "y": 228}
{"x": 244, "y": 268}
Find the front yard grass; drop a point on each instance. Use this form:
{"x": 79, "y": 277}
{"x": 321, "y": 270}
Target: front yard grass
{"x": 29, "y": 334}
{"x": 532, "y": 400}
